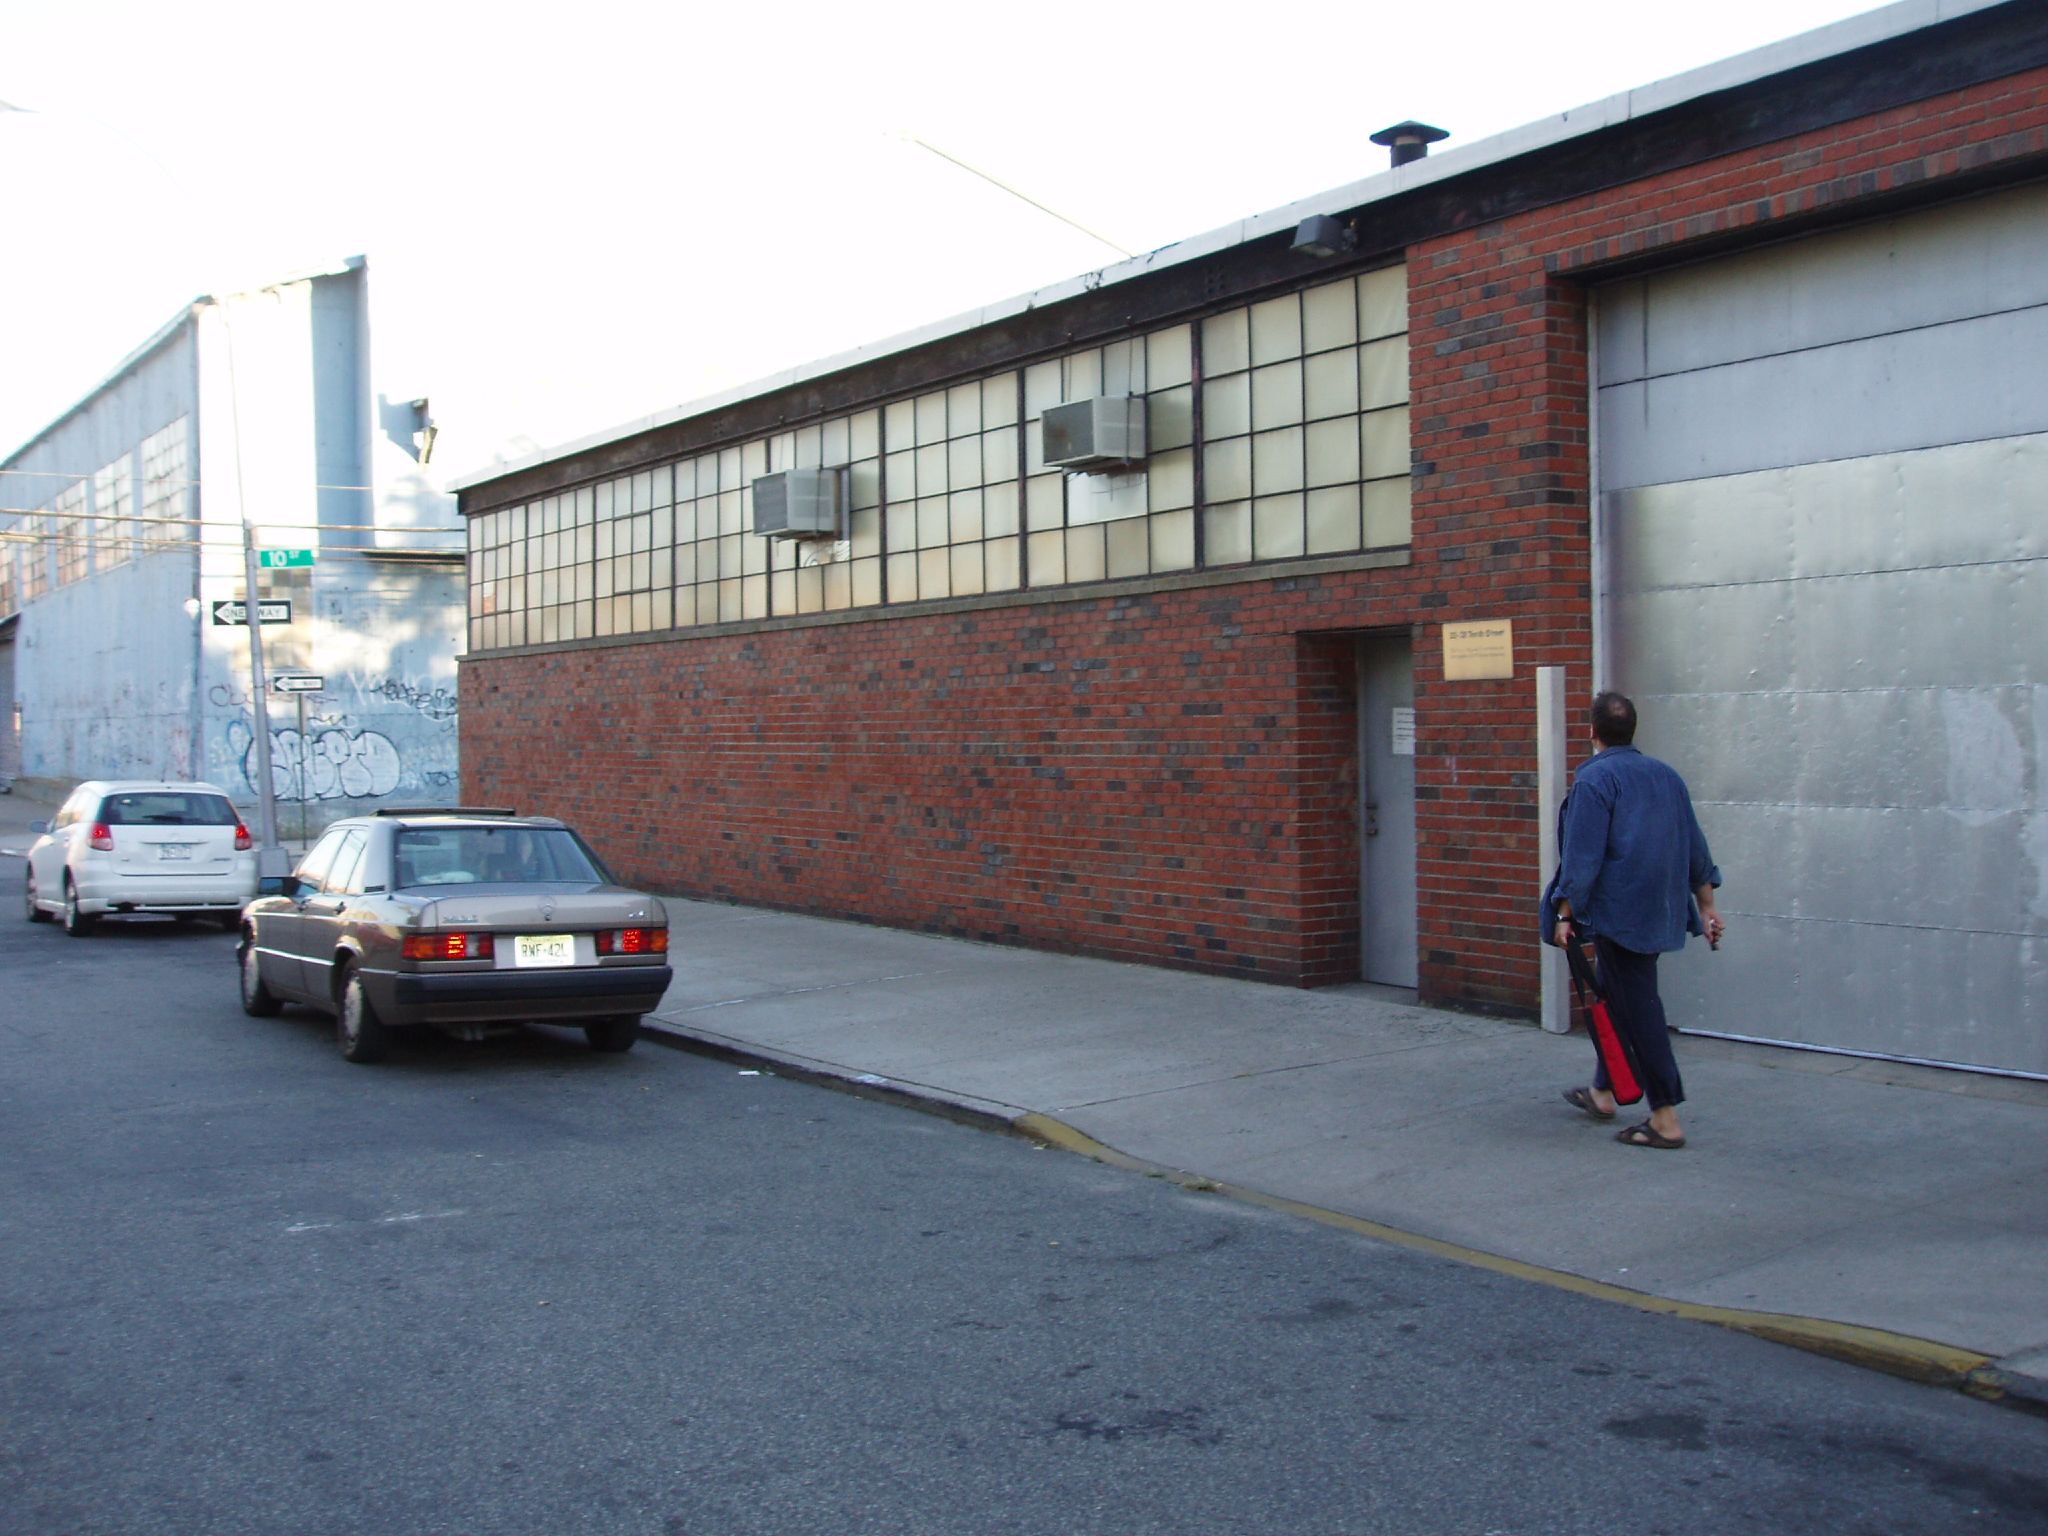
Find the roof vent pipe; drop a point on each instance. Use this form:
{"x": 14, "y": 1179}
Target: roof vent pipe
{"x": 1409, "y": 140}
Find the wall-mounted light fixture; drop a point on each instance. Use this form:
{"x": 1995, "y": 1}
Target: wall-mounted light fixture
{"x": 1322, "y": 236}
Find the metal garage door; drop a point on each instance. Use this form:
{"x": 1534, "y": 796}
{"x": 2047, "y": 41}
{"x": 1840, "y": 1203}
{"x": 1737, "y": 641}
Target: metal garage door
{"x": 1823, "y": 515}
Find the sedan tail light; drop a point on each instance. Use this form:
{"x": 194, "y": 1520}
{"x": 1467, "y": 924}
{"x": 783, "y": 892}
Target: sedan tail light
{"x": 632, "y": 941}
{"x": 243, "y": 841}
{"x": 101, "y": 837}
{"x": 449, "y": 946}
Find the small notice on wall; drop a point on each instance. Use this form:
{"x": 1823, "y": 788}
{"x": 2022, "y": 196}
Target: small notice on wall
{"x": 1404, "y": 733}
{"x": 1479, "y": 650}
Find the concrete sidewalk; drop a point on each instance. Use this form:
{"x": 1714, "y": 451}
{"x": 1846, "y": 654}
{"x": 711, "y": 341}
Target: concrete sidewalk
{"x": 1890, "y": 1214}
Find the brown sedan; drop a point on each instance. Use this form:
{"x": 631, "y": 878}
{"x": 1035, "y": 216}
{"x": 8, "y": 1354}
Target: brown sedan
{"x": 464, "y": 920}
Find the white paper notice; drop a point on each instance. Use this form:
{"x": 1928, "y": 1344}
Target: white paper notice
{"x": 1404, "y": 733}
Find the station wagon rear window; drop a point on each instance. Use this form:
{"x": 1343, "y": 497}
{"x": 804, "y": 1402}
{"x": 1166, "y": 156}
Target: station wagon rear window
{"x": 166, "y": 808}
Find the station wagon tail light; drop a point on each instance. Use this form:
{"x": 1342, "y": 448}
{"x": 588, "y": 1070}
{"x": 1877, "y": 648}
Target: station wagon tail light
{"x": 243, "y": 841}
{"x": 449, "y": 946}
{"x": 632, "y": 941}
{"x": 101, "y": 837}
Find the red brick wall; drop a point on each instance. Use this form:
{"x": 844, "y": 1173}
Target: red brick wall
{"x": 1172, "y": 777}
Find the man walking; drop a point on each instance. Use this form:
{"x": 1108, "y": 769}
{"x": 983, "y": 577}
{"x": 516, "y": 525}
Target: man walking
{"x": 1634, "y": 871}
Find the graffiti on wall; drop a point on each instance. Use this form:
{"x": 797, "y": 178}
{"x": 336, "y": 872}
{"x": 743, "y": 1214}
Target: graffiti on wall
{"x": 435, "y": 703}
{"x": 331, "y": 761}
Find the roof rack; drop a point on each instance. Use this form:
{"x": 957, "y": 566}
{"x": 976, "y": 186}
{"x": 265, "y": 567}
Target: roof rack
{"x": 444, "y": 810}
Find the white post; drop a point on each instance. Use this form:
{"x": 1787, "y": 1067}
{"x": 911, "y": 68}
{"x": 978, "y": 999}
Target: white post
{"x": 1550, "y": 771}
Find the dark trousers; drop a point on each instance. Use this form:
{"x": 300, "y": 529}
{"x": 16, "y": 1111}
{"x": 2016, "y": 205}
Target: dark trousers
{"x": 1630, "y": 981}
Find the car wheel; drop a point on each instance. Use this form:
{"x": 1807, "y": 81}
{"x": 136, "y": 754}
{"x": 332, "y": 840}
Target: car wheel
{"x": 76, "y": 923}
{"x": 357, "y": 1029}
{"x": 258, "y": 1001}
{"x": 613, "y": 1035}
{"x": 36, "y": 914}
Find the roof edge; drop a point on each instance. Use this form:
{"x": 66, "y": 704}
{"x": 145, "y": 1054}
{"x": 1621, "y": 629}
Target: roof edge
{"x": 1836, "y": 38}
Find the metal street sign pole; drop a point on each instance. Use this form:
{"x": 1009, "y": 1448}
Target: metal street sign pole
{"x": 303, "y": 784}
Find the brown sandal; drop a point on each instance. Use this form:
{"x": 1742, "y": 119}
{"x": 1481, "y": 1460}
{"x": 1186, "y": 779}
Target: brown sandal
{"x": 1646, "y": 1135}
{"x": 1581, "y": 1099}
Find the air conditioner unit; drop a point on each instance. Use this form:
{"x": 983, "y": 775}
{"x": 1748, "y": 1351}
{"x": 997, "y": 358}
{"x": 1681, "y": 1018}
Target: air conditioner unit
{"x": 801, "y": 504}
{"x": 1104, "y": 433}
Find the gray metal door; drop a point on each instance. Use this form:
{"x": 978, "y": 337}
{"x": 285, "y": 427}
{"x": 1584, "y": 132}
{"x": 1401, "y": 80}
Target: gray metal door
{"x": 1824, "y": 570}
{"x": 1386, "y": 786}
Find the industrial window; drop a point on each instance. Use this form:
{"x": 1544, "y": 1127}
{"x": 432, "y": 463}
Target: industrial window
{"x": 1302, "y": 450}
{"x": 74, "y": 534}
{"x": 165, "y": 483}
{"x": 1305, "y": 423}
{"x": 35, "y": 560}
{"x": 113, "y": 500}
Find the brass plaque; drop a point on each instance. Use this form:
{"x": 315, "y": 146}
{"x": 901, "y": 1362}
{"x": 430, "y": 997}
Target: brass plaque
{"x": 1485, "y": 649}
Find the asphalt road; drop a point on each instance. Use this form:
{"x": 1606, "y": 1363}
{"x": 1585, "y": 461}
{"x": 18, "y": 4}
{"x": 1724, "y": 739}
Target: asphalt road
{"x": 514, "y": 1286}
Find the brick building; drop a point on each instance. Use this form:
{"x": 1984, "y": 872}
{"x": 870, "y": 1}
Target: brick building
{"x": 1726, "y": 392}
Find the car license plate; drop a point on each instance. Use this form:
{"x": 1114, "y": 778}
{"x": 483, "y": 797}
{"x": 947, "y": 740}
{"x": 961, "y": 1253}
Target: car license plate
{"x": 174, "y": 850}
{"x": 544, "y": 949}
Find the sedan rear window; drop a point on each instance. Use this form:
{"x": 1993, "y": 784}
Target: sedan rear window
{"x": 166, "y": 808}
{"x": 490, "y": 856}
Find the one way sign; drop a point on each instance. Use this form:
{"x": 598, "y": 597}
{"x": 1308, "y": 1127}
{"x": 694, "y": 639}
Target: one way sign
{"x": 268, "y": 611}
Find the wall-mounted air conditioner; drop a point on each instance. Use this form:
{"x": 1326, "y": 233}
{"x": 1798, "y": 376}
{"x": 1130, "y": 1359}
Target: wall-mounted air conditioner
{"x": 1107, "y": 432}
{"x": 801, "y": 504}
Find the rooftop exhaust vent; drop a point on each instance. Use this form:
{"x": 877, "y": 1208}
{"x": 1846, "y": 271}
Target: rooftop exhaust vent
{"x": 1410, "y": 140}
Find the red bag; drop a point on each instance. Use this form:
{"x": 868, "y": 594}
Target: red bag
{"x": 1615, "y": 1054}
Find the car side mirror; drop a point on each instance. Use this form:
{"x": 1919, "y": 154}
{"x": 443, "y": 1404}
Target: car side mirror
{"x": 39, "y": 827}
{"x": 290, "y": 885}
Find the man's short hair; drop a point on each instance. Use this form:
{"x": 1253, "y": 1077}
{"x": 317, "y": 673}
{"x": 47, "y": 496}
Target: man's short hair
{"x": 1614, "y": 720}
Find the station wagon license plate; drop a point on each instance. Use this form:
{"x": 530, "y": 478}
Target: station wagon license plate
{"x": 544, "y": 949}
{"x": 174, "y": 850}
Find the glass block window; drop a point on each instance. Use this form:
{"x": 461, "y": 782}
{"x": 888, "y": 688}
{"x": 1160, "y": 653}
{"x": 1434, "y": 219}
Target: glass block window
{"x": 826, "y": 576}
{"x": 113, "y": 502}
{"x": 1305, "y": 423}
{"x": 166, "y": 480}
{"x": 633, "y": 546}
{"x": 1137, "y": 522}
{"x": 497, "y": 579}
{"x": 720, "y": 568}
{"x": 952, "y": 518}
{"x": 1303, "y": 451}
{"x": 74, "y": 534}
{"x": 560, "y": 577}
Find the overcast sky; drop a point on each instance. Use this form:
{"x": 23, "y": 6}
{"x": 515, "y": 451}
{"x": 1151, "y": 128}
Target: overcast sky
{"x": 580, "y": 215}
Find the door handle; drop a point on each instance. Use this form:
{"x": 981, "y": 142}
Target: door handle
{"x": 1372, "y": 818}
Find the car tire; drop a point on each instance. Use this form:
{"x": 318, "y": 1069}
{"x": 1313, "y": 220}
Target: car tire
{"x": 76, "y": 923}
{"x": 615, "y": 1035}
{"x": 258, "y": 1001}
{"x": 362, "y": 1036}
{"x": 36, "y": 914}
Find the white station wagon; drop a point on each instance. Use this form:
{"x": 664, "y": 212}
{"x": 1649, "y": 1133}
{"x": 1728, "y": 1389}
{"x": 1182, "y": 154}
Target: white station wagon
{"x": 136, "y": 847}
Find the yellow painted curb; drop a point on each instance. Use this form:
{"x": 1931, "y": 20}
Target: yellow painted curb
{"x": 1898, "y": 1354}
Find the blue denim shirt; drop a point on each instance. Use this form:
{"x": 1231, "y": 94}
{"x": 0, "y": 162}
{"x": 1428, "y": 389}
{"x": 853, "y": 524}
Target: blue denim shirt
{"x": 1632, "y": 852}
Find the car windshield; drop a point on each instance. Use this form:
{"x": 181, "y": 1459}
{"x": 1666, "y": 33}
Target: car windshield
{"x": 490, "y": 856}
{"x": 166, "y": 808}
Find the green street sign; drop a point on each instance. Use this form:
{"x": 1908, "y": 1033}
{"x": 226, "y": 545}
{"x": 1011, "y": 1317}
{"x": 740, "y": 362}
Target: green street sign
{"x": 282, "y": 559}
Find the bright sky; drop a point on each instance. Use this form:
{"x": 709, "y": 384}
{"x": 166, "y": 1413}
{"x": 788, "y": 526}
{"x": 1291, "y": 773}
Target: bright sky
{"x": 580, "y": 215}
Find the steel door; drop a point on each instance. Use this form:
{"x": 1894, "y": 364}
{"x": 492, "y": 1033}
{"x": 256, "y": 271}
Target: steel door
{"x": 1386, "y": 819}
